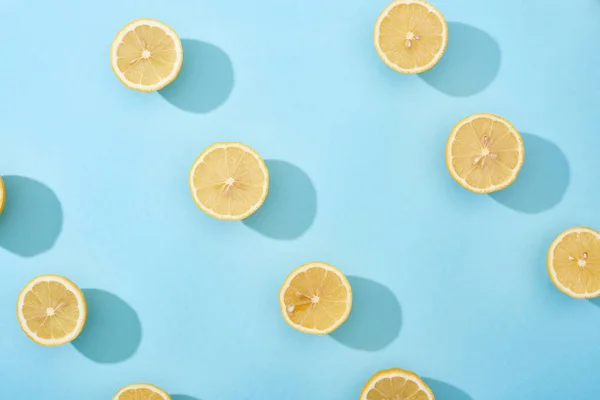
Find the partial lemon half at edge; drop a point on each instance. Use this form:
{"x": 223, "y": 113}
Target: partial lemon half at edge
{"x": 146, "y": 55}
{"x": 2, "y": 195}
{"x": 316, "y": 298}
{"x": 51, "y": 310}
{"x": 411, "y": 36}
{"x": 573, "y": 262}
{"x": 396, "y": 383}
{"x": 141, "y": 391}
{"x": 229, "y": 181}
{"x": 484, "y": 153}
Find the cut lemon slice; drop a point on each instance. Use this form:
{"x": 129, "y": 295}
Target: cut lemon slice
{"x": 146, "y": 55}
{"x": 141, "y": 391}
{"x": 2, "y": 195}
{"x": 229, "y": 181}
{"x": 316, "y": 298}
{"x": 396, "y": 384}
{"x": 484, "y": 153}
{"x": 411, "y": 36}
{"x": 574, "y": 262}
{"x": 51, "y": 310}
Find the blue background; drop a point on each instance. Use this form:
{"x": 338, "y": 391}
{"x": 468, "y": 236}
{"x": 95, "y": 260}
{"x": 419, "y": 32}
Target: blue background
{"x": 447, "y": 283}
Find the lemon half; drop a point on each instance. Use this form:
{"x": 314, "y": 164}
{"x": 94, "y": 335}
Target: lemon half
{"x": 141, "y": 391}
{"x": 2, "y": 195}
{"x": 573, "y": 262}
{"x": 316, "y": 298}
{"x": 146, "y": 55}
{"x": 484, "y": 153}
{"x": 51, "y": 310}
{"x": 395, "y": 384}
{"x": 411, "y": 36}
{"x": 229, "y": 181}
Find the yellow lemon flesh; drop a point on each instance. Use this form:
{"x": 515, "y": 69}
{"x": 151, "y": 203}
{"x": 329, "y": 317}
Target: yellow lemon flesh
{"x": 574, "y": 262}
{"x": 51, "y": 310}
{"x": 396, "y": 384}
{"x": 229, "y": 181}
{"x": 411, "y": 36}
{"x": 2, "y": 195}
{"x": 484, "y": 153}
{"x": 141, "y": 391}
{"x": 146, "y": 55}
{"x": 316, "y": 298}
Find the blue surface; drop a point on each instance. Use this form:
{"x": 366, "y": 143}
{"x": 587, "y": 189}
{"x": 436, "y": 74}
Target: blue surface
{"x": 449, "y": 284}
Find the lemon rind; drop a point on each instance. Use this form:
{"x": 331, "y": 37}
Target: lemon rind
{"x": 135, "y": 386}
{"x": 462, "y": 181}
{"x": 391, "y": 373}
{"x": 71, "y": 286}
{"x": 550, "y": 262}
{"x": 163, "y": 82}
{"x": 383, "y": 56}
{"x": 286, "y": 284}
{"x": 262, "y": 165}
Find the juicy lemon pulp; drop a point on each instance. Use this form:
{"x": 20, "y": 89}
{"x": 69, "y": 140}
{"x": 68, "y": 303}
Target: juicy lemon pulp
{"x": 411, "y": 36}
{"x": 396, "y": 384}
{"x": 316, "y": 298}
{"x": 51, "y": 310}
{"x": 574, "y": 262}
{"x": 484, "y": 153}
{"x": 141, "y": 391}
{"x": 146, "y": 55}
{"x": 229, "y": 181}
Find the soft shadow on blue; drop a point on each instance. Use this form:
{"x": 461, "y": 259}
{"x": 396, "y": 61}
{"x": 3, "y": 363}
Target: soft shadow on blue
{"x": 205, "y": 80}
{"x": 543, "y": 179}
{"x": 291, "y": 205}
{"x": 32, "y": 218}
{"x": 376, "y": 317}
{"x": 182, "y": 397}
{"x": 469, "y": 65}
{"x": 113, "y": 331}
{"x": 595, "y": 301}
{"x": 445, "y": 391}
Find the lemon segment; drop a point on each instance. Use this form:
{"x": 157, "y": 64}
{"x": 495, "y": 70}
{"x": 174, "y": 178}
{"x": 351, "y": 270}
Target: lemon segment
{"x": 146, "y": 55}
{"x": 141, "y": 391}
{"x": 396, "y": 384}
{"x": 411, "y": 36}
{"x": 2, "y": 195}
{"x": 316, "y": 298}
{"x": 573, "y": 262}
{"x": 484, "y": 153}
{"x": 51, "y": 310}
{"x": 229, "y": 181}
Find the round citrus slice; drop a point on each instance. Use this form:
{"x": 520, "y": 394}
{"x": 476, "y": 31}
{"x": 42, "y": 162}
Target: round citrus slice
{"x": 146, "y": 55}
{"x": 2, "y": 195}
{"x": 51, "y": 310}
{"x": 395, "y": 384}
{"x": 141, "y": 391}
{"x": 411, "y": 36}
{"x": 316, "y": 298}
{"x": 484, "y": 153}
{"x": 229, "y": 181}
{"x": 573, "y": 262}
